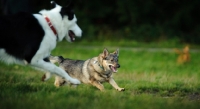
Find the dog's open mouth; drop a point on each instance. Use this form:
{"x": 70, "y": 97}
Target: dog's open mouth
{"x": 114, "y": 69}
{"x": 71, "y": 35}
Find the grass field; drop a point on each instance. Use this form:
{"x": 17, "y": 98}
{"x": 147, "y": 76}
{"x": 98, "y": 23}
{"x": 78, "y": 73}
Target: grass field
{"x": 152, "y": 79}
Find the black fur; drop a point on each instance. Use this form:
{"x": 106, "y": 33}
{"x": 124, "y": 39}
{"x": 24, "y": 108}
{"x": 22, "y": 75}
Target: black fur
{"x": 67, "y": 11}
{"x": 46, "y": 59}
{"x": 21, "y": 35}
{"x": 53, "y": 4}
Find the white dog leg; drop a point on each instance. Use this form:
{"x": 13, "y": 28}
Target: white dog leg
{"x": 54, "y": 69}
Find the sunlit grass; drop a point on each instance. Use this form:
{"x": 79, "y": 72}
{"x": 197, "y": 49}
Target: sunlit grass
{"x": 152, "y": 80}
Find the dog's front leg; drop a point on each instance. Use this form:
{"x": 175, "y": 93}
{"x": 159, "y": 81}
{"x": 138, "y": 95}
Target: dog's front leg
{"x": 98, "y": 85}
{"x": 52, "y": 68}
{"x": 114, "y": 84}
{"x": 59, "y": 81}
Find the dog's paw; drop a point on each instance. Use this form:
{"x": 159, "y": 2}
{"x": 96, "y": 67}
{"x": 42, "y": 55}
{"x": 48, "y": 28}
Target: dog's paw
{"x": 73, "y": 85}
{"x": 60, "y": 82}
{"x": 121, "y": 89}
{"x": 75, "y": 81}
{"x": 57, "y": 84}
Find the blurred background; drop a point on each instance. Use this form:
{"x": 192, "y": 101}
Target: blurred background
{"x": 138, "y": 20}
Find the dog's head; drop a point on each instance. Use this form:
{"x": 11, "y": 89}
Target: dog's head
{"x": 56, "y": 59}
{"x": 69, "y": 27}
{"x": 109, "y": 61}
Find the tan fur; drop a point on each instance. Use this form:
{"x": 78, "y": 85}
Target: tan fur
{"x": 92, "y": 73}
{"x": 183, "y": 55}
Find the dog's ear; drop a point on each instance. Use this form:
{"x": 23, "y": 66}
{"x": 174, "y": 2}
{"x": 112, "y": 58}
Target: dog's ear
{"x": 70, "y": 5}
{"x": 68, "y": 10}
{"x": 53, "y": 4}
{"x": 116, "y": 52}
{"x": 105, "y": 53}
{"x": 186, "y": 49}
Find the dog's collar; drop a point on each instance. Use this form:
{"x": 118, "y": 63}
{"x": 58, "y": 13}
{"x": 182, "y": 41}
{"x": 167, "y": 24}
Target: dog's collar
{"x": 51, "y": 26}
{"x": 99, "y": 65}
{"x": 102, "y": 75}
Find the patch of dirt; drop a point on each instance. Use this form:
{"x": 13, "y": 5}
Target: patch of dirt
{"x": 194, "y": 96}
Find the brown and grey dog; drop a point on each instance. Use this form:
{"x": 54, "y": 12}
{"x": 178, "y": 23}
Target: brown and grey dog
{"x": 93, "y": 71}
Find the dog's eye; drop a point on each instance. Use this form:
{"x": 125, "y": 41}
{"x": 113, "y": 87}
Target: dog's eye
{"x": 111, "y": 60}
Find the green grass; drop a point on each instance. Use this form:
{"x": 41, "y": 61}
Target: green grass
{"x": 153, "y": 80}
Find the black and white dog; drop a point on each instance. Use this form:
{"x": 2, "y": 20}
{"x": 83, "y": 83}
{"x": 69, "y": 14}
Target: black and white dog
{"x": 29, "y": 38}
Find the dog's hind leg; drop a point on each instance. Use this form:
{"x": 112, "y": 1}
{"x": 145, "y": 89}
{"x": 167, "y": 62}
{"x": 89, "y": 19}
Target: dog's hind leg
{"x": 59, "y": 81}
{"x": 46, "y": 76}
{"x": 52, "y": 59}
{"x": 52, "y": 68}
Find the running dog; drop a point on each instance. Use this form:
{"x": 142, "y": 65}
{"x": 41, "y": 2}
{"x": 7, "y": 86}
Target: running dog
{"x": 29, "y": 38}
{"x": 93, "y": 71}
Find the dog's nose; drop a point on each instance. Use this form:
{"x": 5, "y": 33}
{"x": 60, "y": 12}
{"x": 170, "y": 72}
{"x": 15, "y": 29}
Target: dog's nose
{"x": 118, "y": 66}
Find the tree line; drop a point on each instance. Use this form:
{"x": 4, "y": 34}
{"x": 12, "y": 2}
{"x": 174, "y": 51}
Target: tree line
{"x": 141, "y": 20}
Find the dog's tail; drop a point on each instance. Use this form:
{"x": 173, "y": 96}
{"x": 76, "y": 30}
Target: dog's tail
{"x": 56, "y": 59}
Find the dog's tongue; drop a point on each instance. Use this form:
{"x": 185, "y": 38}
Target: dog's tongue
{"x": 72, "y": 35}
{"x": 114, "y": 69}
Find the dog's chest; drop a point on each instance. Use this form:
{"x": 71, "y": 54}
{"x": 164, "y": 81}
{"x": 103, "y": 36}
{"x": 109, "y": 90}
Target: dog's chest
{"x": 102, "y": 77}
{"x": 47, "y": 45}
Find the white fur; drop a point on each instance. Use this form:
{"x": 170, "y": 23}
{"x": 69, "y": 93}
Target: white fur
{"x": 8, "y": 59}
{"x": 62, "y": 25}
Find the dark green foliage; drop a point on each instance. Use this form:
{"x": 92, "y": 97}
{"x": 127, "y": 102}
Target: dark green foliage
{"x": 139, "y": 20}
{"x": 147, "y": 21}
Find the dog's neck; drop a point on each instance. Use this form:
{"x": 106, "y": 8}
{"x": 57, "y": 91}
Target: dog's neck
{"x": 56, "y": 21}
{"x": 103, "y": 73}
{"x": 96, "y": 62}
{"x": 51, "y": 26}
